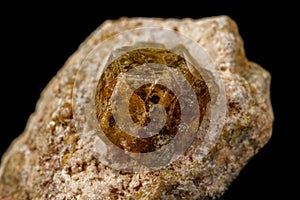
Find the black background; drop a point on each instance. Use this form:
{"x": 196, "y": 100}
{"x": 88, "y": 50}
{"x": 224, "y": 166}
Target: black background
{"x": 37, "y": 39}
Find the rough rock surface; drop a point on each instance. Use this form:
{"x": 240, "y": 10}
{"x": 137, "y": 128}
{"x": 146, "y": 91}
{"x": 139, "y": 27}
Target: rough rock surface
{"x": 48, "y": 160}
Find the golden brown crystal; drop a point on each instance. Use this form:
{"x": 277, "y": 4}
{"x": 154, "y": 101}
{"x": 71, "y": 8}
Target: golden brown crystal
{"x": 144, "y": 98}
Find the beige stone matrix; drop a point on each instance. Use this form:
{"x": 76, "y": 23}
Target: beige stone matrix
{"x": 50, "y": 160}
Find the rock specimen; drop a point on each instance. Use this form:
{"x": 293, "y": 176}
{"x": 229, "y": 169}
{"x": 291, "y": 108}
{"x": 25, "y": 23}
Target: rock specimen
{"x": 145, "y": 109}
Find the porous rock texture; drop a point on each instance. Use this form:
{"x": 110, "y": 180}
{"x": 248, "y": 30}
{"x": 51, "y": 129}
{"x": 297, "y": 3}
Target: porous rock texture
{"x": 48, "y": 160}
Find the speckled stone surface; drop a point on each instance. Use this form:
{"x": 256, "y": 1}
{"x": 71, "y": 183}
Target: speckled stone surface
{"x": 50, "y": 160}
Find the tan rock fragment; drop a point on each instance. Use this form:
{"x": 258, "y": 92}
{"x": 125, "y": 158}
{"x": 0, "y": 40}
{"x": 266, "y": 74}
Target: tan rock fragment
{"x": 50, "y": 160}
